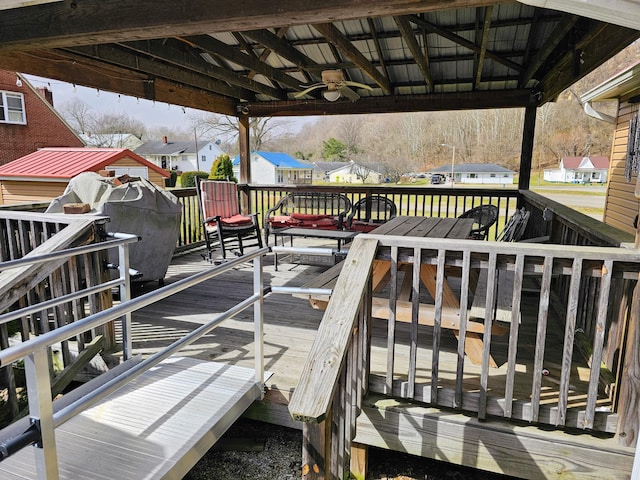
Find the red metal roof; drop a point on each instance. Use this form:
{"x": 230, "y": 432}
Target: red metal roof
{"x": 65, "y": 163}
{"x": 574, "y": 162}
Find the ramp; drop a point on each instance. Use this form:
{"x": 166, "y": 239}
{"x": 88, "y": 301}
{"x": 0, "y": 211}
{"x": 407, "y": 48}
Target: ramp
{"x": 156, "y": 427}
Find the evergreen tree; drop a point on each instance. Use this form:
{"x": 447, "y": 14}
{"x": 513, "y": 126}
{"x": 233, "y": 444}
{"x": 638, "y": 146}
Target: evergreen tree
{"x": 222, "y": 169}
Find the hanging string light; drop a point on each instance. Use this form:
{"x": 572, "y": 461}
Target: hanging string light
{"x": 18, "y": 82}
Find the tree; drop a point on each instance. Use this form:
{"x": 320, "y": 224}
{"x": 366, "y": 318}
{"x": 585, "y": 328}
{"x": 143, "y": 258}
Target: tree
{"x": 334, "y": 149}
{"x": 222, "y": 169}
{"x": 78, "y": 114}
{"x": 261, "y": 129}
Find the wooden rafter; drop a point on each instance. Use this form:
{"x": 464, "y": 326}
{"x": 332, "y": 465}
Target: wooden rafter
{"x": 121, "y": 57}
{"x": 421, "y": 59}
{"x": 559, "y": 33}
{"x": 333, "y": 35}
{"x": 486, "y": 25}
{"x": 376, "y": 41}
{"x": 250, "y": 62}
{"x": 464, "y": 42}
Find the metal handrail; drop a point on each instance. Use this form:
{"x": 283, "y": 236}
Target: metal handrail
{"x": 34, "y": 350}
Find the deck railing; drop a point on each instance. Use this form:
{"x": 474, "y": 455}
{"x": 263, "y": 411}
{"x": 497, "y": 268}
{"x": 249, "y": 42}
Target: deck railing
{"x": 35, "y": 352}
{"x": 528, "y": 369}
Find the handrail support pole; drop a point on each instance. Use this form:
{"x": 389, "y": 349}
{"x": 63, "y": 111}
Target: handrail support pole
{"x": 258, "y": 318}
{"x": 125, "y": 296}
{"x": 36, "y": 365}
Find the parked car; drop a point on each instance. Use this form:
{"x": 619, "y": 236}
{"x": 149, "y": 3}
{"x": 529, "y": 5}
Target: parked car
{"x": 437, "y": 179}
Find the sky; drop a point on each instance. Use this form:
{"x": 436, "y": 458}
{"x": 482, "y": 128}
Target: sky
{"x": 152, "y": 114}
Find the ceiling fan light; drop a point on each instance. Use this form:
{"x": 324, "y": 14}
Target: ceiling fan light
{"x": 331, "y": 95}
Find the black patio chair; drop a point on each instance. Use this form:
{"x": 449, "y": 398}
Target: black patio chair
{"x": 370, "y": 212}
{"x": 484, "y": 217}
{"x": 514, "y": 229}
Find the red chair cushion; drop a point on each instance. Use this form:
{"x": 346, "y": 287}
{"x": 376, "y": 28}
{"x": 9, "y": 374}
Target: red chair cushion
{"x": 310, "y": 217}
{"x": 282, "y": 221}
{"x": 322, "y": 223}
{"x": 236, "y": 220}
{"x": 363, "y": 226}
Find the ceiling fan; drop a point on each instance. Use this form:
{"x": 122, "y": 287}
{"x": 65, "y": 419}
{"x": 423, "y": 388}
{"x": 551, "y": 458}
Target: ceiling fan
{"x": 336, "y": 85}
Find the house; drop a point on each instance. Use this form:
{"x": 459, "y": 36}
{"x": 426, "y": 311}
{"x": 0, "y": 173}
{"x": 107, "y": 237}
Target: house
{"x": 43, "y": 175}
{"x": 28, "y": 120}
{"x": 182, "y": 155}
{"x": 345, "y": 172}
{"x": 579, "y": 170}
{"x": 485, "y": 173}
{"x": 275, "y": 168}
{"x": 621, "y": 201}
{"x": 112, "y": 140}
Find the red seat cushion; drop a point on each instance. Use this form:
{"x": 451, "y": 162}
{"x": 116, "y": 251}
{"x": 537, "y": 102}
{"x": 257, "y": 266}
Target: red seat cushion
{"x": 327, "y": 223}
{"x": 281, "y": 221}
{"x": 236, "y": 220}
{"x": 363, "y": 226}
{"x": 310, "y": 217}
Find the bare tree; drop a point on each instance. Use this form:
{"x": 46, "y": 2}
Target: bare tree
{"x": 261, "y": 129}
{"x": 78, "y": 114}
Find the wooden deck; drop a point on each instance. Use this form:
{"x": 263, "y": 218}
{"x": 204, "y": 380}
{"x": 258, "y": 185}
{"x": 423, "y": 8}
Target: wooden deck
{"x": 290, "y": 328}
{"x": 156, "y": 427}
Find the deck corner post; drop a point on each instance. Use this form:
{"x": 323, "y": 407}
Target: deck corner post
{"x": 629, "y": 403}
{"x": 316, "y": 452}
{"x": 245, "y": 159}
{"x": 526, "y": 151}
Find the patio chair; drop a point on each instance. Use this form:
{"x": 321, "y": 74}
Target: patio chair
{"x": 224, "y": 226}
{"x": 484, "y": 217}
{"x": 370, "y": 212}
{"x": 514, "y": 229}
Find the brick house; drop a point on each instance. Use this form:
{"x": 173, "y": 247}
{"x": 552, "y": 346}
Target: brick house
{"x": 28, "y": 120}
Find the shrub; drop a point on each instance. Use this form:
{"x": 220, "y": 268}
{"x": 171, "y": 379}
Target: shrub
{"x": 222, "y": 169}
{"x": 188, "y": 179}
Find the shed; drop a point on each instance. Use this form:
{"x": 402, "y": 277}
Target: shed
{"x": 43, "y": 175}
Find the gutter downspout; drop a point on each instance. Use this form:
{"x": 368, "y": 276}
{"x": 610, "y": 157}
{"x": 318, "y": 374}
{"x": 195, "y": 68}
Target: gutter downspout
{"x": 589, "y": 110}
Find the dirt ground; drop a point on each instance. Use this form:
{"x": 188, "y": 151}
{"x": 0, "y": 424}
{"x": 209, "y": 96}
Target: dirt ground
{"x": 259, "y": 451}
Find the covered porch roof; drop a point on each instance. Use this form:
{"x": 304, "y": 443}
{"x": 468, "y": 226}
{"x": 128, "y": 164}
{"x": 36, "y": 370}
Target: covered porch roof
{"x": 256, "y": 58}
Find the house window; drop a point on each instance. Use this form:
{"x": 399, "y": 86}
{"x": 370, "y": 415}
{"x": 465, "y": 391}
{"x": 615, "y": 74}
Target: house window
{"x": 203, "y": 159}
{"x": 12, "y": 108}
{"x": 493, "y": 175}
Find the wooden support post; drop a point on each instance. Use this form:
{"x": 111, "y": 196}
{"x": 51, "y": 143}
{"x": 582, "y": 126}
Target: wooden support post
{"x": 245, "y": 159}
{"x": 526, "y": 151}
{"x": 359, "y": 456}
{"x": 315, "y": 450}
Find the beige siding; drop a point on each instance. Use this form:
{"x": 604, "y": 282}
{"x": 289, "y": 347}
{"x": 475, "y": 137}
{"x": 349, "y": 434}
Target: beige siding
{"x": 621, "y": 205}
{"x": 154, "y": 177}
{"x": 30, "y": 192}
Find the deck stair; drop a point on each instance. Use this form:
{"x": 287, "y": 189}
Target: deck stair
{"x": 156, "y": 427}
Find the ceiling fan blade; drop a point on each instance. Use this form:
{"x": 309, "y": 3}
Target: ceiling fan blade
{"x": 308, "y": 89}
{"x": 348, "y": 93}
{"x": 356, "y": 84}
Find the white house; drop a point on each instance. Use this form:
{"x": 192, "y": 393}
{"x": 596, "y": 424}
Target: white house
{"x": 275, "y": 168}
{"x": 181, "y": 154}
{"x": 345, "y": 172}
{"x": 485, "y": 173}
{"x": 112, "y": 140}
{"x": 579, "y": 170}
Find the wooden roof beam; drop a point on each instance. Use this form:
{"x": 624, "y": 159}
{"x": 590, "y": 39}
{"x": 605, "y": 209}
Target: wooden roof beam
{"x": 411, "y": 103}
{"x": 122, "y": 58}
{"x": 559, "y": 33}
{"x": 333, "y": 35}
{"x": 250, "y": 62}
{"x": 483, "y": 45}
{"x": 168, "y": 51}
{"x": 464, "y": 42}
{"x": 88, "y": 22}
{"x": 66, "y": 67}
{"x": 421, "y": 59}
{"x": 376, "y": 41}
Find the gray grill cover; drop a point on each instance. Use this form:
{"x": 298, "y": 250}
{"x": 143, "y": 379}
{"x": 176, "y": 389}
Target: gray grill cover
{"x": 138, "y": 207}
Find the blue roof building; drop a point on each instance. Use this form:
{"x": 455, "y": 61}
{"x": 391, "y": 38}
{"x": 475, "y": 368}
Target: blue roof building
{"x": 275, "y": 168}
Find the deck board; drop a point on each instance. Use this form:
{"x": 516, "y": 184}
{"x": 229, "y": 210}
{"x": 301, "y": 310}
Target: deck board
{"x": 157, "y": 426}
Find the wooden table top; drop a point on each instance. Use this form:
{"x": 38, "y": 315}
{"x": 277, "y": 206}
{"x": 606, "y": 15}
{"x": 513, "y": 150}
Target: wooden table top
{"x": 434, "y": 227}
